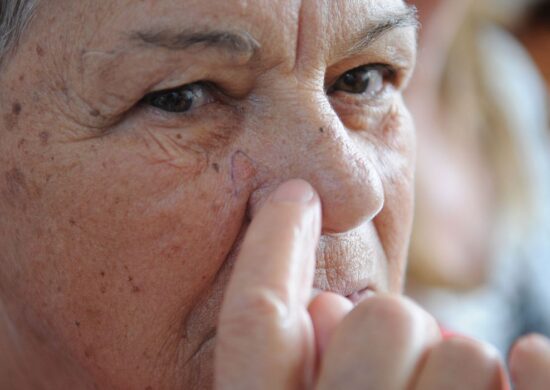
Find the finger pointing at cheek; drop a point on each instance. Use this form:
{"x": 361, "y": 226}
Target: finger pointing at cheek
{"x": 265, "y": 335}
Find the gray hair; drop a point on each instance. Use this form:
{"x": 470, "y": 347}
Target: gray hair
{"x": 14, "y": 16}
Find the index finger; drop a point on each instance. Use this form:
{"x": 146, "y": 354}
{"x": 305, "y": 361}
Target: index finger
{"x": 264, "y": 332}
{"x": 530, "y": 363}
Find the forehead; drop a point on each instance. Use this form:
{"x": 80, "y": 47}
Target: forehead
{"x": 275, "y": 24}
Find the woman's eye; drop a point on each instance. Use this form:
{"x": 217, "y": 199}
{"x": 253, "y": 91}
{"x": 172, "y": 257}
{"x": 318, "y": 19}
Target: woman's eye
{"x": 367, "y": 80}
{"x": 180, "y": 99}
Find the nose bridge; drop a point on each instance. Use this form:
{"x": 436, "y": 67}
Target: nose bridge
{"x": 319, "y": 149}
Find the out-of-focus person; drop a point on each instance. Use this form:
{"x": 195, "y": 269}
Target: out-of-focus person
{"x": 480, "y": 249}
{"x": 529, "y": 21}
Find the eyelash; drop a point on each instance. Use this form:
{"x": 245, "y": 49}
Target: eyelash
{"x": 200, "y": 90}
{"x": 205, "y": 91}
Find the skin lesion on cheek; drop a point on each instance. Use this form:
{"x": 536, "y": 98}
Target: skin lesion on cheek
{"x": 243, "y": 170}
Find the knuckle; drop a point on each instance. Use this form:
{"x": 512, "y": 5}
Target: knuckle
{"x": 256, "y": 307}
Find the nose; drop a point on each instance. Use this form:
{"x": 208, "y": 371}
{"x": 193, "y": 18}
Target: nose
{"x": 338, "y": 163}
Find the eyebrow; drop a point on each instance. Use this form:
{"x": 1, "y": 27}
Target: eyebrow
{"x": 407, "y": 18}
{"x": 234, "y": 42}
{"x": 243, "y": 44}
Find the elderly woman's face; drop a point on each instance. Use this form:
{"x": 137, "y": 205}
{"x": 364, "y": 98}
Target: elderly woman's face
{"x": 138, "y": 139}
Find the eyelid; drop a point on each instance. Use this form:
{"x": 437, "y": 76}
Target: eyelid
{"x": 160, "y": 91}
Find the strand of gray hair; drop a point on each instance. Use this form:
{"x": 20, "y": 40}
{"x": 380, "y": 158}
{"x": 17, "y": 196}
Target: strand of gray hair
{"x": 14, "y": 16}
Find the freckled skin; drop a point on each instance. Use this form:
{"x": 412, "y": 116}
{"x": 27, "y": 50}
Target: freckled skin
{"x": 142, "y": 212}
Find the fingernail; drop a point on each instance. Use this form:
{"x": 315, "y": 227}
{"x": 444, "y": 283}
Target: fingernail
{"x": 294, "y": 191}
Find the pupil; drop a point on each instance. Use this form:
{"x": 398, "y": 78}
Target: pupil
{"x": 350, "y": 79}
{"x": 356, "y": 81}
{"x": 174, "y": 101}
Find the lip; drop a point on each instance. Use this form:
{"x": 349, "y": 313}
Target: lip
{"x": 355, "y": 297}
{"x": 361, "y": 295}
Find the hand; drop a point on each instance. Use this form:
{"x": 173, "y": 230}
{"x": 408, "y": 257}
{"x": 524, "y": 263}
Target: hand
{"x": 270, "y": 338}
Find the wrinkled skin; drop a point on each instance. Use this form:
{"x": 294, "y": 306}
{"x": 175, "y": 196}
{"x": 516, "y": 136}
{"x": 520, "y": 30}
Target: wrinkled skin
{"x": 121, "y": 223}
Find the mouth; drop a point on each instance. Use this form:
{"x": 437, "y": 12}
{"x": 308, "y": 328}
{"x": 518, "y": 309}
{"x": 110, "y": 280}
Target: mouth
{"x": 355, "y": 297}
{"x": 361, "y": 295}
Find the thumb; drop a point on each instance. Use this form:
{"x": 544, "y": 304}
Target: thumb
{"x": 265, "y": 336}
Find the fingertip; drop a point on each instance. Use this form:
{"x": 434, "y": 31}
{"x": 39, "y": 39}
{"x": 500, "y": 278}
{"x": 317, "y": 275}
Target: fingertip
{"x": 327, "y": 310}
{"x": 294, "y": 191}
{"x": 526, "y": 352}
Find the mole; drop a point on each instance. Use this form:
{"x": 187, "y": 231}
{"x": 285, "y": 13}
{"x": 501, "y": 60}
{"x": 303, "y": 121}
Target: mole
{"x": 16, "y": 108}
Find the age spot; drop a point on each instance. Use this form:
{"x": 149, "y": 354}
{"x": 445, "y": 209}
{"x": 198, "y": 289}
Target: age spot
{"x": 16, "y": 183}
{"x": 10, "y": 118}
{"x": 39, "y": 51}
{"x": 89, "y": 352}
{"x": 44, "y": 137}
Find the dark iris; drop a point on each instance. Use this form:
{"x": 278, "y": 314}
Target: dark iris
{"x": 358, "y": 80}
{"x": 175, "y": 100}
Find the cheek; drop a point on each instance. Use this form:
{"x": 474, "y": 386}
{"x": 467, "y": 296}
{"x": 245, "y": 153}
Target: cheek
{"x": 396, "y": 161}
{"x": 168, "y": 151}
{"x": 131, "y": 242}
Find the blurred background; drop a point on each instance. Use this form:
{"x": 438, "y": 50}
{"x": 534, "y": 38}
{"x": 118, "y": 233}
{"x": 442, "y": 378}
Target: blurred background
{"x": 480, "y": 251}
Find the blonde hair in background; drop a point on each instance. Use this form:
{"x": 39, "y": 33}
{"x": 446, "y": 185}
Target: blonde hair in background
{"x": 471, "y": 110}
